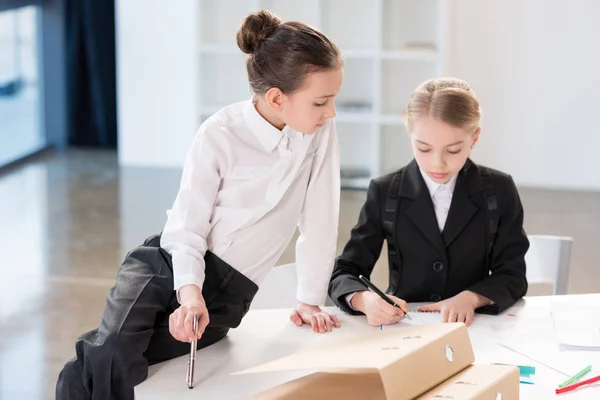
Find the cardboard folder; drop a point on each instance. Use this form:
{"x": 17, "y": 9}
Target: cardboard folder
{"x": 399, "y": 363}
{"x": 479, "y": 382}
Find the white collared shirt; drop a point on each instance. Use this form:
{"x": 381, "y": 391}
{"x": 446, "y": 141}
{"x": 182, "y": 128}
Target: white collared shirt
{"x": 245, "y": 188}
{"x": 441, "y": 196}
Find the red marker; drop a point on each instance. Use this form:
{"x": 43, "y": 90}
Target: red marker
{"x": 574, "y": 386}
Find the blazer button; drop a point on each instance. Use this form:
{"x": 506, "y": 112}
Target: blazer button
{"x": 435, "y": 297}
{"x": 438, "y": 266}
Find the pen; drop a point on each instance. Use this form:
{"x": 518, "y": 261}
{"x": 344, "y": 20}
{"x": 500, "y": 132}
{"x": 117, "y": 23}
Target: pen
{"x": 381, "y": 294}
{"x": 576, "y": 377}
{"x": 192, "y": 359}
{"x": 574, "y": 386}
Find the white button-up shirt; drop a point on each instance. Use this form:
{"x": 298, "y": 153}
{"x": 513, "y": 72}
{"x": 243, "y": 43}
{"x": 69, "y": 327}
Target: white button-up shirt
{"x": 245, "y": 188}
{"x": 441, "y": 196}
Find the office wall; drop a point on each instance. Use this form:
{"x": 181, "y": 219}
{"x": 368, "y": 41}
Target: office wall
{"x": 532, "y": 63}
{"x": 156, "y": 64}
{"x": 534, "y": 66}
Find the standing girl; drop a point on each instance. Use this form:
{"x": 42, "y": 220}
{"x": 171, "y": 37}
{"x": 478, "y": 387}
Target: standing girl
{"x": 256, "y": 170}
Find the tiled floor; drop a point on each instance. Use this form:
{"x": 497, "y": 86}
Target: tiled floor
{"x": 67, "y": 221}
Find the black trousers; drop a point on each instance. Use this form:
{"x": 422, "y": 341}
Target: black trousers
{"x": 134, "y": 331}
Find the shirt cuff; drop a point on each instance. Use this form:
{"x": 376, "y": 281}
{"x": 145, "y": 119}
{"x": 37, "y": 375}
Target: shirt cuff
{"x": 311, "y": 297}
{"x": 348, "y": 300}
{"x": 188, "y": 279}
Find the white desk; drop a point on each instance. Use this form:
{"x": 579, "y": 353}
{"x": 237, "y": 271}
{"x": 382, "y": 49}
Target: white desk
{"x": 267, "y": 334}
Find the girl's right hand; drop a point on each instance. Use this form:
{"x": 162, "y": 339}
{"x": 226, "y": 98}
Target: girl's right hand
{"x": 181, "y": 321}
{"x": 378, "y": 311}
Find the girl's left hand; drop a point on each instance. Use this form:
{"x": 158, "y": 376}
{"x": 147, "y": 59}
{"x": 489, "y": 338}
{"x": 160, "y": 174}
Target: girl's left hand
{"x": 313, "y": 315}
{"x": 460, "y": 308}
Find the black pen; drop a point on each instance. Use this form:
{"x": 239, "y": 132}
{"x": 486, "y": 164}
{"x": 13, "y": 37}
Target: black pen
{"x": 192, "y": 359}
{"x": 381, "y": 294}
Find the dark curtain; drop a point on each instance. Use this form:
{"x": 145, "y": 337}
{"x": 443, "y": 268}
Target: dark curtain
{"x": 91, "y": 82}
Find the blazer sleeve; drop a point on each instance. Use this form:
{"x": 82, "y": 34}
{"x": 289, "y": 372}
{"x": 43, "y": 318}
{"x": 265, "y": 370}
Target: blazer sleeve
{"x": 507, "y": 282}
{"x": 360, "y": 253}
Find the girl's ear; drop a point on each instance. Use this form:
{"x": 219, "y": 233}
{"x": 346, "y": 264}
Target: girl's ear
{"x": 274, "y": 97}
{"x": 476, "y": 135}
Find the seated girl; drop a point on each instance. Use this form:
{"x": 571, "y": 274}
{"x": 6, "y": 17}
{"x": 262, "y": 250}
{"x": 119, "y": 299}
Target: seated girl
{"x": 454, "y": 229}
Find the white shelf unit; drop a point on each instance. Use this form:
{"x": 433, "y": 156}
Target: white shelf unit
{"x": 388, "y": 46}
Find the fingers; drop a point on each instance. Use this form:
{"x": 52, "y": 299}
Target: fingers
{"x": 179, "y": 328}
{"x": 430, "y": 307}
{"x": 469, "y": 318}
{"x": 445, "y": 314}
{"x": 188, "y": 326}
{"x": 320, "y": 322}
{"x": 396, "y": 318}
{"x": 381, "y": 318}
{"x": 336, "y": 321}
{"x": 327, "y": 322}
{"x": 174, "y": 323}
{"x": 181, "y": 323}
{"x": 323, "y": 322}
{"x": 172, "y": 320}
{"x": 389, "y": 309}
{"x": 295, "y": 318}
{"x": 203, "y": 320}
{"x": 314, "y": 323}
{"x": 452, "y": 316}
{"x": 461, "y": 316}
{"x": 401, "y": 303}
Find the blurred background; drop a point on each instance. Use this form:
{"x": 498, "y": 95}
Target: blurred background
{"x": 99, "y": 102}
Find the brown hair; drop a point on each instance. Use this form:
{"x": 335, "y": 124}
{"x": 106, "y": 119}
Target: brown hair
{"x": 281, "y": 54}
{"x": 449, "y": 100}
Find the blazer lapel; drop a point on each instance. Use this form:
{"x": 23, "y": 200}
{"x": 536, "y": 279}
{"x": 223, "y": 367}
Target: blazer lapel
{"x": 462, "y": 208}
{"x": 420, "y": 210}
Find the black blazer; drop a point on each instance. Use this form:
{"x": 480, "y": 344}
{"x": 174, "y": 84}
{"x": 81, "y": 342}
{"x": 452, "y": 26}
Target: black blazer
{"x": 433, "y": 265}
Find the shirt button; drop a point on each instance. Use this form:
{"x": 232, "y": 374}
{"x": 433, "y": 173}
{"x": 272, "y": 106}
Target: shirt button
{"x": 435, "y": 297}
{"x": 438, "y": 266}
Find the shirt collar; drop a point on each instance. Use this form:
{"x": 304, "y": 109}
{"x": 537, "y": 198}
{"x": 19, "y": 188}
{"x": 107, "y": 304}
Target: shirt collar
{"x": 268, "y": 136}
{"x": 433, "y": 186}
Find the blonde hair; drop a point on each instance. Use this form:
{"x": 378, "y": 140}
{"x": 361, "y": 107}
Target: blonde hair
{"x": 449, "y": 100}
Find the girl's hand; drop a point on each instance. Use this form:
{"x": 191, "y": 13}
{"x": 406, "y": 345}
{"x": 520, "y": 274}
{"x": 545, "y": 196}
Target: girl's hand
{"x": 181, "y": 321}
{"x": 460, "y": 308}
{"x": 319, "y": 320}
{"x": 378, "y": 311}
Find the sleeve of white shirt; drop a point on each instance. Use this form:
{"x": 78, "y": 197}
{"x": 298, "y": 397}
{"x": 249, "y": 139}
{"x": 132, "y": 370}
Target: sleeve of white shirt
{"x": 349, "y": 299}
{"x": 188, "y": 222}
{"x": 316, "y": 246}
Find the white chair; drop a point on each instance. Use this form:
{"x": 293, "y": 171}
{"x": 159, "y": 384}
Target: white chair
{"x": 278, "y": 290}
{"x": 548, "y": 261}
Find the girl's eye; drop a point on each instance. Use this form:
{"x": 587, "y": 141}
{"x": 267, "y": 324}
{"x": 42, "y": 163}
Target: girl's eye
{"x": 319, "y": 104}
{"x": 455, "y": 151}
{"x": 424, "y": 150}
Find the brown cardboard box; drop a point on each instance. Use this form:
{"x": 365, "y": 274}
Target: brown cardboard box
{"x": 398, "y": 364}
{"x": 479, "y": 382}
